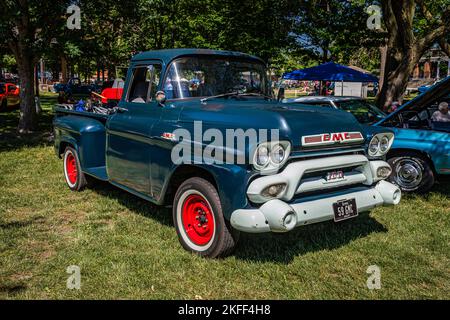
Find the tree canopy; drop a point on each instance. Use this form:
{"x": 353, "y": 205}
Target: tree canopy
{"x": 288, "y": 34}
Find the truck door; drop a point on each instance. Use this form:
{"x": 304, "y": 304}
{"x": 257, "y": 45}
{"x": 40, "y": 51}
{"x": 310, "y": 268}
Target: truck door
{"x": 128, "y": 132}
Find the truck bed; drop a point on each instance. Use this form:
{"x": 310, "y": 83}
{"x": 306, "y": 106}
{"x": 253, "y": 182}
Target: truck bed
{"x": 85, "y": 130}
{"x": 61, "y": 109}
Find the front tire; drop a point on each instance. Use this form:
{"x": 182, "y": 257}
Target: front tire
{"x": 199, "y": 221}
{"x": 75, "y": 178}
{"x": 411, "y": 172}
{"x": 4, "y": 105}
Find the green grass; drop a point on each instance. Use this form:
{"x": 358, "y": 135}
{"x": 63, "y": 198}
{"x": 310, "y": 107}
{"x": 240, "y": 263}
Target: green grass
{"x": 128, "y": 248}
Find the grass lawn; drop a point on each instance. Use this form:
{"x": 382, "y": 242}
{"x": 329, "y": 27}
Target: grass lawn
{"x": 128, "y": 248}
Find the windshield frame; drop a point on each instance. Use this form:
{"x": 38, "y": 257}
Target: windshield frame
{"x": 256, "y": 61}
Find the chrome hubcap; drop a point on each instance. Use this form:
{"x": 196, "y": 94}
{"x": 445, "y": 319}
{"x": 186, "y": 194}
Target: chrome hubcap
{"x": 408, "y": 173}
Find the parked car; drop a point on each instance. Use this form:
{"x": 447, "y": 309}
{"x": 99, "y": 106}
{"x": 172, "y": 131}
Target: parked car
{"x": 421, "y": 150}
{"x": 364, "y": 111}
{"x": 113, "y": 91}
{"x": 9, "y": 95}
{"x": 323, "y": 166}
{"x": 73, "y": 86}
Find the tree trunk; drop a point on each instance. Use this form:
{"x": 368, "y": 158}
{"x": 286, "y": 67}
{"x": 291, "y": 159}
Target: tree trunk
{"x": 64, "y": 69}
{"x": 404, "y": 49}
{"x": 28, "y": 116}
{"x": 383, "y": 52}
{"x": 398, "y": 68}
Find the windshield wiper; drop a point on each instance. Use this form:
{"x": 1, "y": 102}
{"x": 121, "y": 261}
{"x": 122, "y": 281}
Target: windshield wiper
{"x": 222, "y": 95}
{"x": 228, "y": 94}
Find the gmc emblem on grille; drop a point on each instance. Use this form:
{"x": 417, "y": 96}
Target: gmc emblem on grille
{"x": 335, "y": 175}
{"x": 332, "y": 138}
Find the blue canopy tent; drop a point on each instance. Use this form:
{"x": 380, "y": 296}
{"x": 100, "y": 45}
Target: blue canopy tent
{"x": 330, "y": 71}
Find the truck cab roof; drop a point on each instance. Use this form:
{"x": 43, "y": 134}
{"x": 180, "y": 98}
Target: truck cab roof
{"x": 170, "y": 54}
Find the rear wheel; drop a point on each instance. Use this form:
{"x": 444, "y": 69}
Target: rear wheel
{"x": 411, "y": 172}
{"x": 199, "y": 221}
{"x": 75, "y": 178}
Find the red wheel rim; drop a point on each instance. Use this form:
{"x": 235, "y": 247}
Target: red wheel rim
{"x": 71, "y": 168}
{"x": 198, "y": 219}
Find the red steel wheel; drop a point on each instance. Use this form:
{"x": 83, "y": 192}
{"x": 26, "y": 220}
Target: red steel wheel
{"x": 71, "y": 168}
{"x": 198, "y": 219}
{"x": 75, "y": 178}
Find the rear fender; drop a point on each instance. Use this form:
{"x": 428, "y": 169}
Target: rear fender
{"x": 87, "y": 136}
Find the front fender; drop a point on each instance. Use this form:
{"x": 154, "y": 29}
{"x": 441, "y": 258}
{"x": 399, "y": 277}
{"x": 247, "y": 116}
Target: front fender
{"x": 231, "y": 181}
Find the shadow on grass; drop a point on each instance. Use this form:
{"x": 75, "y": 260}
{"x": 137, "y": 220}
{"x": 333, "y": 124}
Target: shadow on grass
{"x": 9, "y": 119}
{"x": 135, "y": 204}
{"x": 442, "y": 186}
{"x": 12, "y": 288}
{"x": 21, "y": 224}
{"x": 281, "y": 248}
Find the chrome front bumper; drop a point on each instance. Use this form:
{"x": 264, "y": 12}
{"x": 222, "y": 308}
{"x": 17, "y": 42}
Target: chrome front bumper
{"x": 289, "y": 210}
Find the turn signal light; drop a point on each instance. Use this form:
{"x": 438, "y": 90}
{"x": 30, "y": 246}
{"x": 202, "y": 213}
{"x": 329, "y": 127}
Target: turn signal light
{"x": 384, "y": 172}
{"x": 273, "y": 190}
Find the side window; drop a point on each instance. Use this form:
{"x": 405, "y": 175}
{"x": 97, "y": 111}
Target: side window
{"x": 144, "y": 84}
{"x": 12, "y": 88}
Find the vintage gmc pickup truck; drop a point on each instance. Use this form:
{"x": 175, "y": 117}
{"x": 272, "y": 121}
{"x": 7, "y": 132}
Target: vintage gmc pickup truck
{"x": 320, "y": 165}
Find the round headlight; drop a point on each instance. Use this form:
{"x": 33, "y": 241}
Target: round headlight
{"x": 384, "y": 144}
{"x": 277, "y": 155}
{"x": 262, "y": 156}
{"x": 374, "y": 146}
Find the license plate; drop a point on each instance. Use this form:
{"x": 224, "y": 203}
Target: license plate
{"x": 345, "y": 209}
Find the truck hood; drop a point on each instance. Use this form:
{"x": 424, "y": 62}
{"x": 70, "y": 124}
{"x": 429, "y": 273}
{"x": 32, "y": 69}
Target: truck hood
{"x": 293, "y": 121}
{"x": 421, "y": 102}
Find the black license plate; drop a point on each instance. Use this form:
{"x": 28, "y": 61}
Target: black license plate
{"x": 345, "y": 209}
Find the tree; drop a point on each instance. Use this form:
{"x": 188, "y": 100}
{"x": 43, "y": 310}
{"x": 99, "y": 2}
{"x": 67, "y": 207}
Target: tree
{"x": 333, "y": 29}
{"x": 412, "y": 27}
{"x": 26, "y": 27}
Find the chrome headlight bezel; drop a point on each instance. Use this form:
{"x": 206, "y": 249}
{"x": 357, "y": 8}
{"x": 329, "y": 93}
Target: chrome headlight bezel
{"x": 382, "y": 142}
{"x": 272, "y": 164}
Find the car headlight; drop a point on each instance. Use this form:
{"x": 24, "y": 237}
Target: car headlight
{"x": 384, "y": 144}
{"x": 374, "y": 146}
{"x": 270, "y": 156}
{"x": 262, "y": 156}
{"x": 380, "y": 144}
{"x": 277, "y": 154}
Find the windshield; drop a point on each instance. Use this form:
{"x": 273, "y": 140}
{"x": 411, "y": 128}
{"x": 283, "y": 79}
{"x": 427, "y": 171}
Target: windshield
{"x": 363, "y": 111}
{"x": 211, "y": 76}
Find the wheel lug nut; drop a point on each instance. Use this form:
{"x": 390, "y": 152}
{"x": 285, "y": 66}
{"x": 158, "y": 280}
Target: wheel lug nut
{"x": 197, "y": 217}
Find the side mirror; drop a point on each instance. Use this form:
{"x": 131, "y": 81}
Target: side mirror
{"x": 160, "y": 98}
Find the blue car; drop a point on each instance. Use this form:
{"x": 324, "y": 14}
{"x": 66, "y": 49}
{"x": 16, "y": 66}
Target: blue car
{"x": 421, "y": 150}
